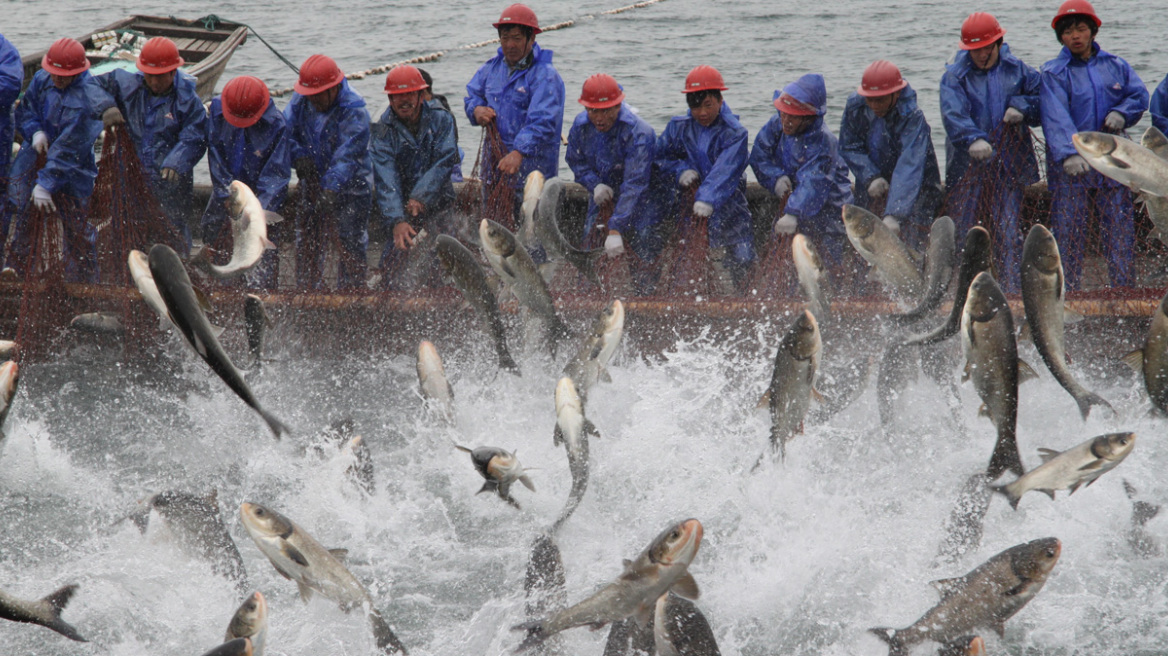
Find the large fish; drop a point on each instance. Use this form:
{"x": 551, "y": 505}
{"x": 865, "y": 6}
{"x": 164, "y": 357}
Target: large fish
{"x": 513, "y": 264}
{"x": 45, "y": 611}
{"x": 547, "y": 230}
{"x": 532, "y": 191}
{"x": 543, "y": 585}
{"x": 249, "y": 233}
{"x": 500, "y": 469}
{"x": 680, "y": 629}
{"x": 436, "y": 390}
{"x": 793, "y": 379}
{"x": 1152, "y": 359}
{"x": 991, "y": 354}
{"x": 985, "y": 597}
{"x": 198, "y": 528}
{"x": 144, "y": 281}
{"x": 976, "y": 256}
{"x": 572, "y": 429}
{"x": 255, "y": 323}
{"x": 883, "y": 250}
{"x": 940, "y": 260}
{"x": 468, "y": 277}
{"x": 9, "y": 379}
{"x": 1043, "y": 293}
{"x": 813, "y": 278}
{"x": 1155, "y": 141}
{"x": 300, "y": 558}
{"x": 589, "y": 364}
{"x": 1080, "y": 465}
{"x": 1124, "y": 161}
{"x": 181, "y": 303}
{"x": 662, "y": 566}
{"x": 250, "y": 621}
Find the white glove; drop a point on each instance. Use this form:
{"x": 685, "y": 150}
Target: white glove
{"x": 1012, "y": 117}
{"x": 43, "y": 199}
{"x": 1075, "y": 165}
{"x": 786, "y": 225}
{"x": 981, "y": 150}
{"x": 601, "y": 194}
{"x": 112, "y": 116}
{"x": 1114, "y": 121}
{"x": 893, "y": 223}
{"x": 688, "y": 177}
{"x": 614, "y": 245}
{"x": 783, "y": 186}
{"x": 170, "y": 175}
{"x": 40, "y": 141}
{"x": 702, "y": 210}
{"x": 878, "y": 188}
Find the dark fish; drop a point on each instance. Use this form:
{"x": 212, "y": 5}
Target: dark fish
{"x": 939, "y": 262}
{"x": 45, "y": 611}
{"x": 500, "y": 468}
{"x": 793, "y": 379}
{"x": 544, "y": 584}
{"x": 680, "y": 629}
{"x": 976, "y": 256}
{"x": 255, "y": 321}
{"x": 630, "y": 637}
{"x": 198, "y": 526}
{"x": 1152, "y": 359}
{"x": 250, "y": 621}
{"x": 547, "y": 230}
{"x": 462, "y": 268}
{"x": 236, "y": 647}
{"x": 1142, "y": 543}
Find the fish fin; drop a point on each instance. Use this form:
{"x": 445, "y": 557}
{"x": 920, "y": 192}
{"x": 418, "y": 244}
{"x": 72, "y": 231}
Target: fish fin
{"x": 1135, "y": 359}
{"x": 507, "y": 270}
{"x": 967, "y": 371}
{"x": 604, "y": 375}
{"x": 283, "y": 573}
{"x": 1049, "y": 493}
{"x": 56, "y": 601}
{"x": 293, "y": 554}
{"x": 535, "y": 635}
{"x": 203, "y": 300}
{"x": 764, "y": 401}
{"x": 526, "y": 480}
{"x": 557, "y": 435}
{"x": 272, "y": 218}
{"x": 819, "y": 397}
{"x": 1024, "y": 331}
{"x": 340, "y": 554}
{"x": 686, "y": 587}
{"x": 277, "y": 427}
{"x": 463, "y": 449}
{"x": 1129, "y": 489}
{"x": 511, "y": 501}
{"x": 590, "y": 429}
{"x": 1005, "y": 490}
{"x": 1091, "y": 482}
{"x": 1092, "y": 399}
{"x": 1071, "y": 317}
{"x": 198, "y": 345}
{"x": 1094, "y": 464}
{"x": 305, "y": 591}
{"x": 488, "y": 486}
{"x": 268, "y": 245}
{"x": 891, "y": 637}
{"x": 626, "y": 567}
{"x": 946, "y": 587}
{"x": 216, "y": 330}
{"x": 999, "y": 626}
{"x": 383, "y": 635}
{"x": 1047, "y": 454}
{"x": 1025, "y": 372}
{"x": 1072, "y": 489}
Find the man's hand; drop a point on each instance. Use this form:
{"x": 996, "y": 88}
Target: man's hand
{"x": 878, "y": 188}
{"x": 1075, "y": 165}
{"x": 414, "y": 207}
{"x": 687, "y": 178}
{"x": 483, "y": 115}
{"x": 1114, "y": 122}
{"x": 43, "y": 199}
{"x": 403, "y": 235}
{"x": 892, "y": 223}
{"x": 40, "y": 142}
{"x": 702, "y": 210}
{"x": 786, "y": 225}
{"x": 510, "y": 164}
{"x": 169, "y": 175}
{"x": 1012, "y": 116}
{"x": 601, "y": 194}
{"x": 614, "y": 244}
{"x": 981, "y": 150}
{"x": 783, "y": 186}
{"x": 111, "y": 117}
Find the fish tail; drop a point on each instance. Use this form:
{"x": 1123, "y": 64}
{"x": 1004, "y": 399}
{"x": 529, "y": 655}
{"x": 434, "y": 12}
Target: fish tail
{"x": 56, "y": 602}
{"x": 535, "y": 635}
{"x": 1089, "y": 399}
{"x": 1006, "y": 457}
{"x": 896, "y": 646}
{"x": 507, "y": 362}
{"x": 277, "y": 427}
{"x": 1010, "y": 495}
{"x": 387, "y": 641}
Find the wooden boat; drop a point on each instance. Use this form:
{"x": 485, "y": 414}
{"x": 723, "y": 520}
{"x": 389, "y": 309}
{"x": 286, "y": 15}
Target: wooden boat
{"x": 205, "y": 44}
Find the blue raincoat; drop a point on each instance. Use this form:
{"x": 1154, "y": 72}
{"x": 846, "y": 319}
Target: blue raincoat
{"x": 719, "y": 154}
{"x": 529, "y": 110}
{"x": 1159, "y": 106}
{"x": 11, "y": 79}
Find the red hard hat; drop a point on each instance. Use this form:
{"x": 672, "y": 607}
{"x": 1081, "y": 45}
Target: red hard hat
{"x": 65, "y": 57}
{"x": 980, "y": 30}
{"x": 158, "y": 56}
{"x": 244, "y": 99}
{"x": 518, "y": 14}
{"x": 318, "y": 73}
{"x": 404, "y": 79}
{"x": 788, "y": 104}
{"x": 704, "y": 78}
{"x": 1076, "y": 7}
{"x": 601, "y": 92}
{"x": 881, "y": 78}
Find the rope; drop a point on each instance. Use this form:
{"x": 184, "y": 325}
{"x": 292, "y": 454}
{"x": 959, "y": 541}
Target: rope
{"x": 211, "y": 21}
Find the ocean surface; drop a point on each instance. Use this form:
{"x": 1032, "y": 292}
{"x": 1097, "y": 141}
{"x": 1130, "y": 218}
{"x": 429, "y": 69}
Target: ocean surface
{"x": 799, "y": 558}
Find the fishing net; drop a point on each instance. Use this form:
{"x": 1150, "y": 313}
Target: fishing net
{"x": 774, "y": 276}
{"x": 43, "y": 298}
{"x": 498, "y": 189}
{"x": 690, "y": 271}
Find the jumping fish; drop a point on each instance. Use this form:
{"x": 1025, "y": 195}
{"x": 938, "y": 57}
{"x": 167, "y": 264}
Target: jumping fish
{"x": 1155, "y": 141}
{"x": 1141, "y": 542}
{"x": 144, "y": 281}
{"x": 589, "y": 364}
{"x": 883, "y": 250}
{"x": 45, "y": 611}
{"x": 1152, "y": 359}
{"x": 236, "y": 647}
{"x": 198, "y": 528}
{"x": 9, "y": 380}
{"x": 547, "y": 230}
{"x": 544, "y": 584}
{"x": 255, "y": 323}
{"x": 572, "y": 429}
{"x": 1043, "y": 293}
{"x": 986, "y": 597}
{"x": 939, "y": 262}
{"x": 300, "y": 558}
{"x": 468, "y": 277}
{"x": 432, "y": 381}
{"x": 662, "y": 566}
{"x": 813, "y": 278}
{"x": 1079, "y": 465}
{"x": 181, "y": 303}
{"x": 1124, "y": 161}
{"x": 680, "y": 629}
{"x": 250, "y": 621}
{"x": 976, "y": 256}
{"x": 793, "y": 380}
{"x": 500, "y": 468}
{"x": 249, "y": 233}
{"x": 532, "y": 191}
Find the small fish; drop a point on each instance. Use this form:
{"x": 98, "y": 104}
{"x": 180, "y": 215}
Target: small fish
{"x": 813, "y": 278}
{"x": 255, "y": 322}
{"x": 432, "y": 380}
{"x": 590, "y": 363}
{"x": 1157, "y": 207}
{"x": 249, "y": 233}
{"x": 98, "y": 323}
{"x": 1152, "y": 359}
{"x": 144, "y": 281}
{"x": 466, "y": 274}
{"x": 793, "y": 380}
{"x": 1079, "y": 465}
{"x": 939, "y": 261}
{"x": 250, "y": 621}
{"x": 572, "y": 430}
{"x": 500, "y": 468}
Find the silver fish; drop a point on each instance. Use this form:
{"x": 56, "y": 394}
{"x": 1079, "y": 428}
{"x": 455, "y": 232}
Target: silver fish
{"x": 813, "y": 278}
{"x": 1124, "y": 161}
{"x": 976, "y": 256}
{"x": 662, "y": 566}
{"x": 793, "y": 379}
{"x": 98, "y": 323}
{"x": 9, "y": 380}
{"x": 589, "y": 364}
{"x": 1043, "y": 294}
{"x": 250, "y": 621}
{"x": 361, "y": 471}
{"x": 198, "y": 528}
{"x": 1080, "y": 465}
{"x": 547, "y": 230}
{"x": 249, "y": 233}
{"x": 1152, "y": 359}
{"x": 985, "y": 597}
{"x": 532, "y": 190}
{"x": 1157, "y": 207}
{"x": 45, "y": 611}
{"x": 300, "y": 558}
{"x": 544, "y": 584}
{"x": 144, "y": 281}
{"x": 940, "y": 260}
{"x": 883, "y": 250}
{"x": 500, "y": 468}
{"x": 468, "y": 277}
{"x": 572, "y": 429}
{"x": 680, "y": 629}
{"x": 432, "y": 381}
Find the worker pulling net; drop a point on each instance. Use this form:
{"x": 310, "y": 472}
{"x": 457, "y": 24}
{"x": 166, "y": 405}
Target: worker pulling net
{"x": 36, "y": 253}
{"x": 498, "y": 189}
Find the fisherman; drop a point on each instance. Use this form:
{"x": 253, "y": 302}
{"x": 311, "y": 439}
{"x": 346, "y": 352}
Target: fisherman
{"x": 413, "y": 152}
{"x": 796, "y": 156}
{"x": 247, "y": 139}
{"x": 167, "y": 123}
{"x": 328, "y": 128}
{"x": 60, "y": 119}
{"x": 887, "y": 144}
{"x": 523, "y": 95}
{"x": 989, "y": 98}
{"x": 610, "y": 151}
{"x": 1086, "y": 88}
{"x": 707, "y": 150}
{"x": 1159, "y": 106}
{"x": 428, "y": 95}
{"x": 11, "y": 80}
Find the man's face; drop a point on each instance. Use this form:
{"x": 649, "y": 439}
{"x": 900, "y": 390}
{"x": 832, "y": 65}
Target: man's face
{"x": 325, "y": 99}
{"x": 881, "y": 105}
{"x": 795, "y": 125}
{"x": 603, "y": 119}
{"x": 62, "y": 81}
{"x": 1078, "y": 39}
{"x": 159, "y": 83}
{"x": 987, "y": 57}
{"x": 515, "y": 43}
{"x": 407, "y": 106}
{"x": 707, "y": 112}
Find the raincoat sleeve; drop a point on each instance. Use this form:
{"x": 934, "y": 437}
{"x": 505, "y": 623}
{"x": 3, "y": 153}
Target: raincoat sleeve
{"x": 909, "y": 173}
{"x": 545, "y": 113}
{"x": 11, "y": 75}
{"x": 192, "y": 139}
{"x": 28, "y": 121}
{"x": 721, "y": 182}
{"x": 1134, "y": 97}
{"x": 292, "y": 112}
{"x": 576, "y": 156}
{"x": 957, "y": 114}
{"x": 1057, "y": 124}
{"x": 670, "y": 151}
{"x": 476, "y": 92}
{"x": 638, "y": 170}
{"x": 352, "y": 149}
{"x": 217, "y": 154}
{"x": 1159, "y": 107}
{"x": 853, "y": 142}
{"x": 1027, "y": 98}
{"x": 277, "y": 168}
{"x": 385, "y": 179}
{"x": 765, "y": 158}
{"x": 813, "y": 181}
{"x": 80, "y": 127}
{"x": 444, "y": 153}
